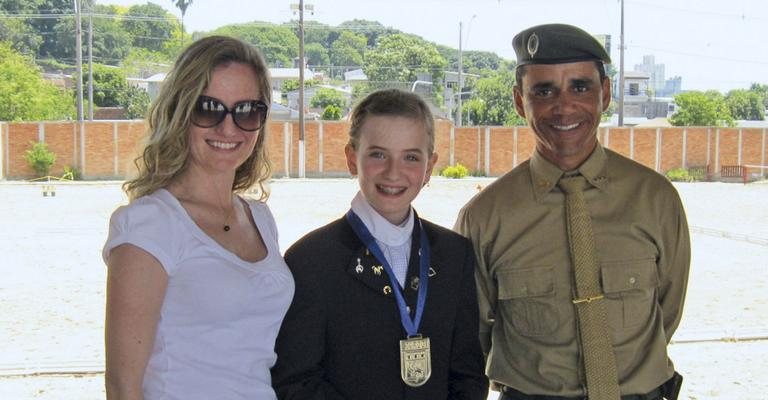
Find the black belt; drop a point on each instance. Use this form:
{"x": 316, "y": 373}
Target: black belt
{"x": 512, "y": 394}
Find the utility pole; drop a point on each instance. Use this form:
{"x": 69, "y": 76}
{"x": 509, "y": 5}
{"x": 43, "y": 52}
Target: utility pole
{"x": 79, "y": 58}
{"x": 90, "y": 62}
{"x": 461, "y": 66}
{"x": 621, "y": 68}
{"x": 461, "y": 69}
{"x": 302, "y": 148}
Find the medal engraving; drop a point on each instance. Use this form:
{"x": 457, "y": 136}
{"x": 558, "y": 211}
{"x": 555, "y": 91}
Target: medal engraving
{"x": 415, "y": 361}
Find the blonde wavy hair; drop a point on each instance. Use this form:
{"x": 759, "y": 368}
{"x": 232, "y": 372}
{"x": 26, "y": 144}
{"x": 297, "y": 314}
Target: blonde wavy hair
{"x": 166, "y": 145}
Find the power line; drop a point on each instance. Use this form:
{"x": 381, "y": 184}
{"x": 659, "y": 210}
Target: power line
{"x": 105, "y": 16}
{"x": 743, "y": 16}
{"x": 711, "y": 57}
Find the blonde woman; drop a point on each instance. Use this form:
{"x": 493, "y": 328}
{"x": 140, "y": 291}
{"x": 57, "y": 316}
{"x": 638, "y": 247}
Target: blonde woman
{"x": 196, "y": 286}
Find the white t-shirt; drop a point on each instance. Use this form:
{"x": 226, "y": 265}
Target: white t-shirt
{"x": 221, "y": 314}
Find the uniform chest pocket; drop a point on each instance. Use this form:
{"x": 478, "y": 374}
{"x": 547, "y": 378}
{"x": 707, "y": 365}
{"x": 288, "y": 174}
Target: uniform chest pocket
{"x": 630, "y": 290}
{"x": 526, "y": 300}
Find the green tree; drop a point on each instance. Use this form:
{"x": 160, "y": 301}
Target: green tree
{"x": 347, "y": 52}
{"x": 397, "y": 58}
{"x": 111, "y": 89}
{"x": 474, "y": 62}
{"x": 293, "y": 84}
{"x": 26, "y": 96}
{"x": 762, "y": 90}
{"x": 111, "y": 42}
{"x": 48, "y": 27}
{"x": 136, "y": 102}
{"x": 325, "y": 97}
{"x": 316, "y": 54}
{"x": 109, "y": 86}
{"x": 278, "y": 44}
{"x": 145, "y": 63}
{"x": 745, "y": 104}
{"x": 315, "y": 32}
{"x": 492, "y": 102}
{"x": 17, "y": 31}
{"x": 182, "y": 5}
{"x": 697, "y": 108}
{"x": 149, "y": 25}
{"x": 331, "y": 113}
{"x": 372, "y": 30}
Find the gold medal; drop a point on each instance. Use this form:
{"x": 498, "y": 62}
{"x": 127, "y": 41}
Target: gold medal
{"x": 415, "y": 360}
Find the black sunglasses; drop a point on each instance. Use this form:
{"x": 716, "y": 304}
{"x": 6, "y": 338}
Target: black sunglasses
{"x": 248, "y": 115}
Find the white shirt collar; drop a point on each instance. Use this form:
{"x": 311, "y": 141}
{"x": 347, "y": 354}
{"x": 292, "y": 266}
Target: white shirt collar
{"x": 381, "y": 229}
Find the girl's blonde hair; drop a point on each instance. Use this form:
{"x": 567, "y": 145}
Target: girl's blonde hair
{"x": 166, "y": 150}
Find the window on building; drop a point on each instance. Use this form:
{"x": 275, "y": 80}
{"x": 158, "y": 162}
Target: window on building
{"x": 634, "y": 89}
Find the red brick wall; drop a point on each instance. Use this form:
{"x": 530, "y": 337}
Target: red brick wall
{"x": 728, "y": 146}
{"x": 19, "y": 136}
{"x": 275, "y": 144}
{"x": 469, "y": 144}
{"x": 645, "y": 146}
{"x": 751, "y": 146}
{"x": 502, "y": 148}
{"x": 61, "y": 139}
{"x": 619, "y": 140}
{"x": 671, "y": 149}
{"x": 99, "y": 139}
{"x": 442, "y": 144}
{"x": 526, "y": 143}
{"x": 129, "y": 142}
{"x": 698, "y": 140}
{"x": 335, "y": 137}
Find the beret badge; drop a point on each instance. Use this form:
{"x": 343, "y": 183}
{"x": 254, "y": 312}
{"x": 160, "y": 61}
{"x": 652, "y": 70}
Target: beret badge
{"x": 533, "y": 44}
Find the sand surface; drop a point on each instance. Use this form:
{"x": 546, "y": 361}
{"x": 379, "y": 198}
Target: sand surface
{"x": 52, "y": 280}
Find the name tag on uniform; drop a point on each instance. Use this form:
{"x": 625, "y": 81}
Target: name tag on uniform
{"x": 415, "y": 360}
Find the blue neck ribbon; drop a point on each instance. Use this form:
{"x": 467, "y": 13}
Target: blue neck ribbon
{"x": 411, "y": 326}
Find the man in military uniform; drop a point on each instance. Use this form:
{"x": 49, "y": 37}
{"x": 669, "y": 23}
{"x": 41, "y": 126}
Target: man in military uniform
{"x": 582, "y": 254}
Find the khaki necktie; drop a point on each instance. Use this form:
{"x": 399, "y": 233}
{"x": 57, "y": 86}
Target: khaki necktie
{"x": 597, "y": 349}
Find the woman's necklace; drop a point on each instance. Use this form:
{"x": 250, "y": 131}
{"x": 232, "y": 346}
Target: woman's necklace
{"x": 229, "y": 213}
{"x": 226, "y": 220}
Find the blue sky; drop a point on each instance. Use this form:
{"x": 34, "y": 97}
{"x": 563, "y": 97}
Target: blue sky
{"x": 712, "y": 44}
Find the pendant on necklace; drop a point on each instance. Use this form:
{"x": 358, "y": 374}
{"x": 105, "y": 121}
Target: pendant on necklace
{"x": 226, "y": 228}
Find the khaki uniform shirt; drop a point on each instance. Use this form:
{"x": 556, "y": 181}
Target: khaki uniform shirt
{"x": 525, "y": 282}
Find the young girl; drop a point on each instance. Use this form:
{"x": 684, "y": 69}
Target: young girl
{"x": 385, "y": 304}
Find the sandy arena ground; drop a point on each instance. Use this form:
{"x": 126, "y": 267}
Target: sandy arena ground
{"x": 52, "y": 280}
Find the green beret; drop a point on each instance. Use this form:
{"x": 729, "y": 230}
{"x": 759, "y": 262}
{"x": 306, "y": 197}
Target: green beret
{"x": 557, "y": 44}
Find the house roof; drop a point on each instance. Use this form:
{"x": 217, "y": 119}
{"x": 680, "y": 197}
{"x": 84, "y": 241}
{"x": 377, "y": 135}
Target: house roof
{"x": 289, "y": 73}
{"x": 636, "y": 75}
{"x": 355, "y": 75}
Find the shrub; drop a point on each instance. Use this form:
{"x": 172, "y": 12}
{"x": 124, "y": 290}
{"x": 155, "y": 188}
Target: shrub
{"x": 331, "y": 113}
{"x": 455, "y": 171}
{"x": 71, "y": 173}
{"x": 679, "y": 175}
{"x": 40, "y": 158}
{"x": 325, "y": 97}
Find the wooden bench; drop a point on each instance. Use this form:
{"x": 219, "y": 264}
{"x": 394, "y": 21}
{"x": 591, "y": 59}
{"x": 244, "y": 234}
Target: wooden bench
{"x": 700, "y": 173}
{"x": 731, "y": 172}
